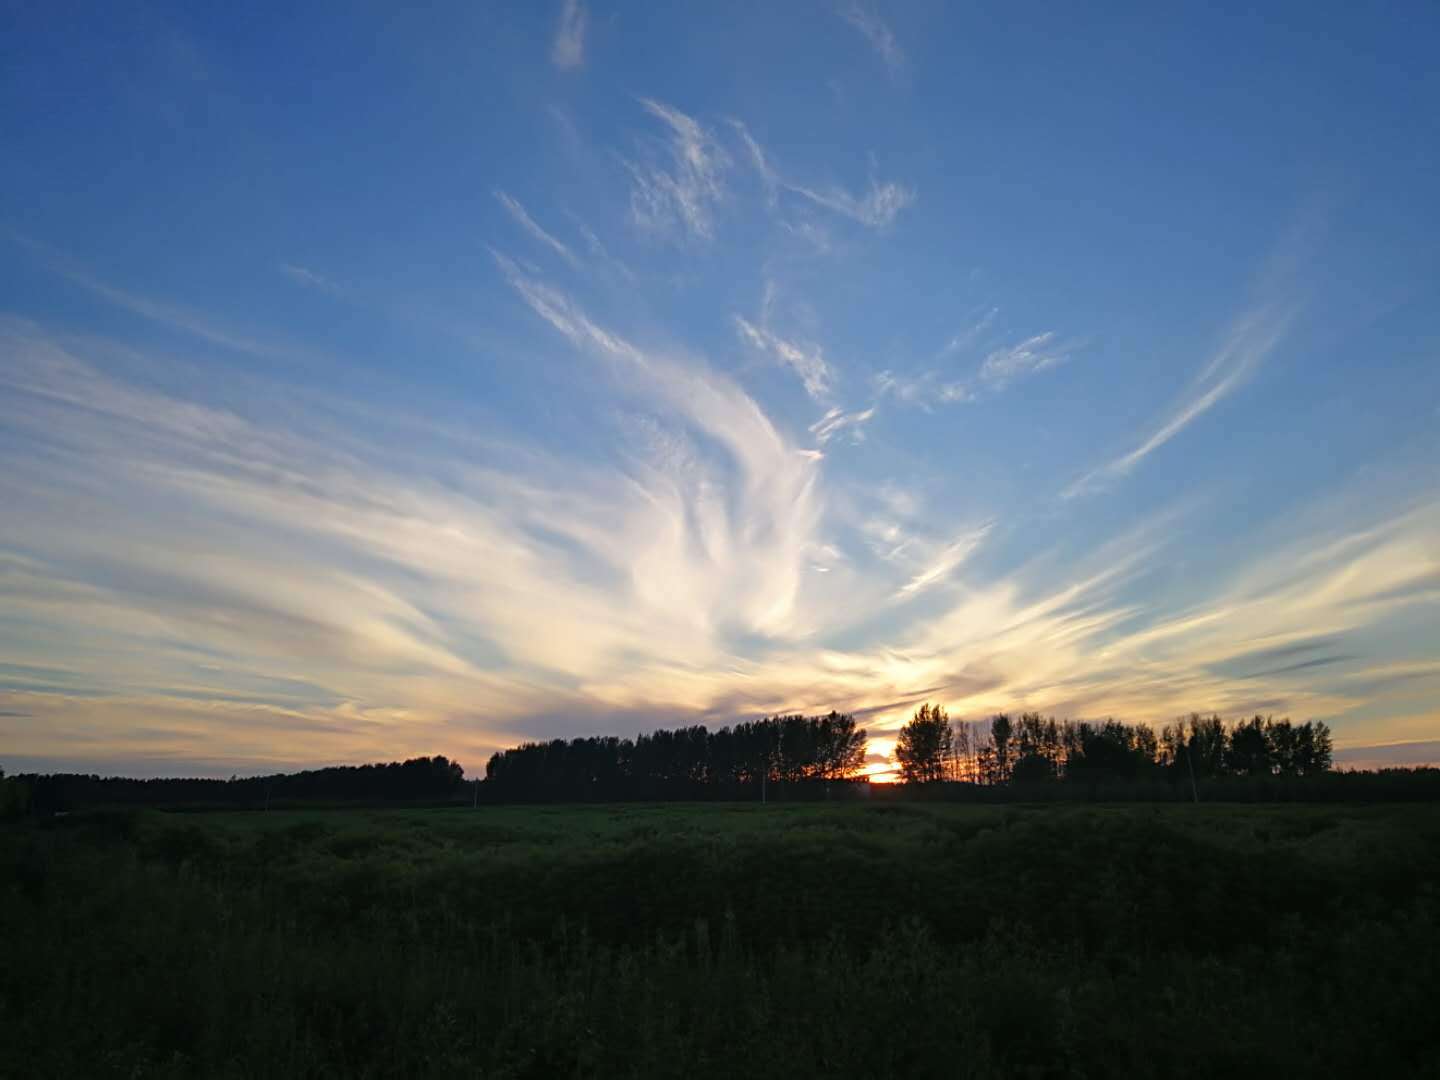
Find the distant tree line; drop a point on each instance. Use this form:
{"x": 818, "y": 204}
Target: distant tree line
{"x": 1030, "y": 748}
{"x": 421, "y": 779}
{"x": 1025, "y": 757}
{"x": 693, "y": 762}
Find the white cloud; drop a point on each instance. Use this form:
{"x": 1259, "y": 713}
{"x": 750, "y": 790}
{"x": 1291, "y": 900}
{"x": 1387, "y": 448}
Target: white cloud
{"x": 805, "y": 359}
{"x": 1028, "y": 357}
{"x": 529, "y": 224}
{"x": 875, "y": 31}
{"x": 838, "y": 420}
{"x": 1250, "y": 339}
{"x": 779, "y": 504}
{"x": 168, "y": 314}
{"x": 686, "y": 192}
{"x": 176, "y": 554}
{"x": 768, "y": 175}
{"x": 309, "y": 278}
{"x": 923, "y": 390}
{"x": 945, "y": 562}
{"x": 968, "y": 337}
{"x": 876, "y": 209}
{"x": 568, "y": 49}
{"x": 1000, "y": 367}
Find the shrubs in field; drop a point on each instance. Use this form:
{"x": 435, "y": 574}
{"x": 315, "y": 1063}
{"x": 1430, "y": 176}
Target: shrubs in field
{"x": 890, "y": 940}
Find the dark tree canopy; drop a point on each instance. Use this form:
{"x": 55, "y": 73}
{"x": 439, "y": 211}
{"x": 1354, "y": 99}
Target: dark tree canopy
{"x": 419, "y": 779}
{"x": 684, "y": 762}
{"x": 923, "y": 748}
{"x": 1032, "y": 749}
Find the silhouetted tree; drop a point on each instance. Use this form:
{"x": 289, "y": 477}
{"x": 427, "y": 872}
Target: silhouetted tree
{"x": 683, "y": 763}
{"x": 1001, "y": 733}
{"x": 1108, "y": 752}
{"x": 962, "y": 754}
{"x": 1039, "y": 753}
{"x": 1250, "y": 750}
{"x": 924, "y": 745}
{"x": 841, "y": 747}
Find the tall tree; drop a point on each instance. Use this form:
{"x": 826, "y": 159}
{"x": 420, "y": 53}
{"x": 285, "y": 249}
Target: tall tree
{"x": 841, "y": 746}
{"x": 1002, "y": 732}
{"x": 924, "y": 746}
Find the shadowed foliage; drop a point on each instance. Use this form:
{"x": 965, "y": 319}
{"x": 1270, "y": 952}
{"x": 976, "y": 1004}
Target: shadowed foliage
{"x": 650, "y": 940}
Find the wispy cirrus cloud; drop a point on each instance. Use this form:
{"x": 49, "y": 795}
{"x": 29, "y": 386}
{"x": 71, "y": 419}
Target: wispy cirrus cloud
{"x": 1248, "y": 341}
{"x": 971, "y": 335}
{"x": 875, "y": 30}
{"x": 768, "y": 176}
{"x": 567, "y": 51}
{"x": 529, "y": 224}
{"x": 160, "y": 311}
{"x": 247, "y": 577}
{"x": 945, "y": 563}
{"x": 309, "y": 278}
{"x": 683, "y": 192}
{"x": 1030, "y": 356}
{"x": 876, "y": 208}
{"x": 924, "y": 390}
{"x": 1001, "y": 367}
{"x": 837, "y": 421}
{"x": 783, "y": 502}
{"x": 805, "y": 359}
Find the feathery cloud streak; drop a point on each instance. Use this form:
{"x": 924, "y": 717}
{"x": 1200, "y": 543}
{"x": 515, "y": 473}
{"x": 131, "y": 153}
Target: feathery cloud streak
{"x": 876, "y": 32}
{"x": 685, "y": 193}
{"x": 526, "y": 222}
{"x": 567, "y": 51}
{"x": 1250, "y": 339}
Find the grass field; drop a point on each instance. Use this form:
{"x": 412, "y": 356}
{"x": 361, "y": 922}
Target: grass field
{"x": 723, "y": 940}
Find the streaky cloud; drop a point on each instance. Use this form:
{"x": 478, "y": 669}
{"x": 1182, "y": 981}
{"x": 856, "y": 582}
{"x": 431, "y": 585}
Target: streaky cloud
{"x": 877, "y": 208}
{"x": 310, "y": 279}
{"x": 1250, "y": 339}
{"x": 876, "y": 32}
{"x": 567, "y": 51}
{"x": 522, "y": 217}
{"x": 946, "y": 563}
{"x": 837, "y": 420}
{"x": 684, "y": 194}
{"x": 164, "y": 313}
{"x": 1028, "y": 357}
{"x": 1000, "y": 368}
{"x": 807, "y": 361}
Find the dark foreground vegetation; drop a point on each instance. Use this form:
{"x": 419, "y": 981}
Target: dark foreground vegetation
{"x": 908, "y": 939}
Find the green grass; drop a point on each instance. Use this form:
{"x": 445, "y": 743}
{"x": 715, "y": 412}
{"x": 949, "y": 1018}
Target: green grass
{"x": 715, "y": 940}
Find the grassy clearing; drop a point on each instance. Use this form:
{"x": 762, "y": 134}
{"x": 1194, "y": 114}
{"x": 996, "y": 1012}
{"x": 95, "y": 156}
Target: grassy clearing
{"x": 698, "y": 940}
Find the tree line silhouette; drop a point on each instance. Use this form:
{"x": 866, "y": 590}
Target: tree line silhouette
{"x": 421, "y": 779}
{"x": 1025, "y": 756}
{"x": 689, "y": 762}
{"x": 1031, "y": 748}
{"x": 796, "y": 753}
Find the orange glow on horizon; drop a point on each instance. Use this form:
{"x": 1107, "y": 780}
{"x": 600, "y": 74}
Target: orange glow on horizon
{"x": 878, "y": 772}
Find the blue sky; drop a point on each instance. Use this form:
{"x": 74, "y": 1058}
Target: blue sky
{"x": 379, "y": 382}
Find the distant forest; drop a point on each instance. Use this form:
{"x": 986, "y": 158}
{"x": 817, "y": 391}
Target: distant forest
{"x": 1005, "y": 758}
{"x": 419, "y": 780}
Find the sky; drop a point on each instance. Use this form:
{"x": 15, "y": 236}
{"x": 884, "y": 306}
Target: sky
{"x": 378, "y": 380}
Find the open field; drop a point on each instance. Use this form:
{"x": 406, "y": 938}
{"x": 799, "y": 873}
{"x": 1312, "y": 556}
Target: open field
{"x": 717, "y": 940}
